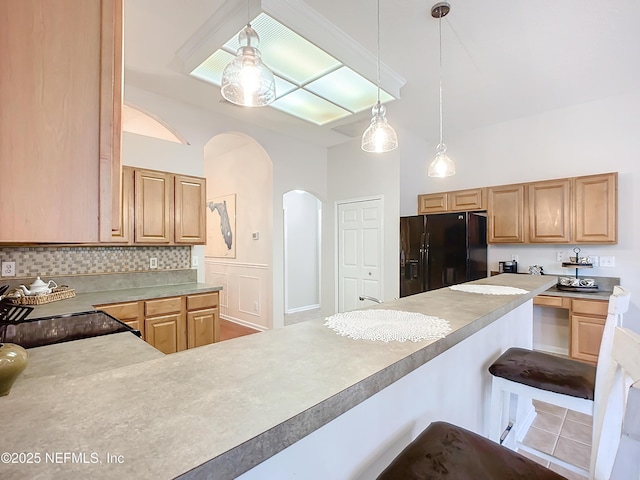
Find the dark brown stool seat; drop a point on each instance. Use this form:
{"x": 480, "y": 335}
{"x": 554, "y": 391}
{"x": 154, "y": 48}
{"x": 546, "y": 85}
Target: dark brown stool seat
{"x": 445, "y": 451}
{"x": 546, "y": 372}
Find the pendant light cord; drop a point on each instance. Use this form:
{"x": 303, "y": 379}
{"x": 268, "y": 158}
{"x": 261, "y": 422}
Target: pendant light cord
{"x": 440, "y": 39}
{"x": 378, "y": 47}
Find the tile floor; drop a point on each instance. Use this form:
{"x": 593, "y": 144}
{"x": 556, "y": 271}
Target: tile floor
{"x": 563, "y": 433}
{"x": 291, "y": 318}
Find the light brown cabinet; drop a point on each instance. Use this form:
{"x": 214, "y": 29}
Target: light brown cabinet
{"x": 203, "y": 319}
{"x": 153, "y": 212}
{"x": 190, "y": 210}
{"x": 595, "y": 208}
{"x": 549, "y": 208}
{"x": 172, "y": 324}
{"x": 61, "y": 97}
{"x": 586, "y": 324}
{"x": 505, "y": 212}
{"x": 164, "y": 208}
{"x": 131, "y": 313}
{"x": 457, "y": 201}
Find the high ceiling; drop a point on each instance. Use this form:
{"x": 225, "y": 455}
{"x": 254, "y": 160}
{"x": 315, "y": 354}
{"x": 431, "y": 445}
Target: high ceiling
{"x": 502, "y": 59}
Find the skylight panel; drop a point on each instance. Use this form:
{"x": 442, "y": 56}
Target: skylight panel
{"x": 309, "y": 107}
{"x": 348, "y": 89}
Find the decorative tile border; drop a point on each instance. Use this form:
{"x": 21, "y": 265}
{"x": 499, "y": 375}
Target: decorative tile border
{"x": 48, "y": 261}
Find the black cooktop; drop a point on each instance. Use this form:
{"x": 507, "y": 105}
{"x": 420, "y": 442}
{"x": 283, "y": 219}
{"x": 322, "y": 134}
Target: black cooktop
{"x": 63, "y": 328}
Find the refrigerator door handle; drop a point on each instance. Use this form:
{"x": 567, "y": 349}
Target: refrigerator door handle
{"x": 425, "y": 262}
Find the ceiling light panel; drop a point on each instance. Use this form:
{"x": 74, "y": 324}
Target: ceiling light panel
{"x": 309, "y": 107}
{"x": 288, "y": 54}
{"x": 348, "y": 89}
{"x": 310, "y": 83}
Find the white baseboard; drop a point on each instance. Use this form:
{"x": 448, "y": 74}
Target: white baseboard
{"x": 244, "y": 323}
{"x": 551, "y": 349}
{"x": 302, "y": 309}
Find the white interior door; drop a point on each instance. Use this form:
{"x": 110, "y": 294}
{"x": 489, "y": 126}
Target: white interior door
{"x": 359, "y": 253}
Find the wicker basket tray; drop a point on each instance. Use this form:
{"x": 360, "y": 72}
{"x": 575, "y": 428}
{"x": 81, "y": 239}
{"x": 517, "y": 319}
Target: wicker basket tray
{"x": 58, "y": 293}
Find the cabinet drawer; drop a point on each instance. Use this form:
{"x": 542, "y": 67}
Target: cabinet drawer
{"x": 163, "y": 306}
{"x": 206, "y": 300}
{"x": 122, "y": 311}
{"x": 590, "y": 307}
{"x": 549, "y": 301}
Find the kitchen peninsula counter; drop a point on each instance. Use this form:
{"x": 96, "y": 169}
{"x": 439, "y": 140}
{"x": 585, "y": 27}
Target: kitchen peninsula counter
{"x": 84, "y": 302}
{"x": 219, "y": 410}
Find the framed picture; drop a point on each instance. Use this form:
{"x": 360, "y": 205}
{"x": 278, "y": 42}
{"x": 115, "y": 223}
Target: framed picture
{"x": 221, "y": 227}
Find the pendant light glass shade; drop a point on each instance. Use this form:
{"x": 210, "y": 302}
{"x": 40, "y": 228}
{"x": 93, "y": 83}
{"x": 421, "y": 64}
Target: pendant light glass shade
{"x": 442, "y": 165}
{"x": 379, "y": 136}
{"x": 246, "y": 80}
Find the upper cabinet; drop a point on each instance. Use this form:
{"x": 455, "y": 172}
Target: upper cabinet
{"x": 162, "y": 208}
{"x": 61, "y": 97}
{"x": 458, "y": 201}
{"x": 549, "y": 211}
{"x": 566, "y": 210}
{"x": 595, "y": 208}
{"x": 505, "y": 214}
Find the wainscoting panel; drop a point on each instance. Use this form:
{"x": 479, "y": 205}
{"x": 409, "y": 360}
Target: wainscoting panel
{"x": 244, "y": 297}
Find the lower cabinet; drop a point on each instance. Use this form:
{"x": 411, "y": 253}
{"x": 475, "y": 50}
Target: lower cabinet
{"x": 587, "y": 325}
{"x": 172, "y": 324}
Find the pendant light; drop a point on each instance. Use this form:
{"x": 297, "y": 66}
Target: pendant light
{"x": 379, "y": 137}
{"x": 442, "y": 165}
{"x": 246, "y": 80}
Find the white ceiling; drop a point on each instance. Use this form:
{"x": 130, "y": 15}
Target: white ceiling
{"x": 502, "y": 59}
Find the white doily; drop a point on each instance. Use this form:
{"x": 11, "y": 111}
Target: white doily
{"x": 489, "y": 289}
{"x": 388, "y": 325}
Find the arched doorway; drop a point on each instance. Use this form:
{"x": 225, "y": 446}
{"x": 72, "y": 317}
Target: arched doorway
{"x": 302, "y": 247}
{"x": 239, "y": 251}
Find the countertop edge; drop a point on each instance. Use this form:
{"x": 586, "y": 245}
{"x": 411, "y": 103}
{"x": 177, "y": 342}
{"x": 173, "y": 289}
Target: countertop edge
{"x": 243, "y": 457}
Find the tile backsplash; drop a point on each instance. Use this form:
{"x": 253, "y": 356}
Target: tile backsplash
{"x": 48, "y": 261}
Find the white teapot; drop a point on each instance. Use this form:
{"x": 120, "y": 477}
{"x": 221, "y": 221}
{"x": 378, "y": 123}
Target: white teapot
{"x": 38, "y": 287}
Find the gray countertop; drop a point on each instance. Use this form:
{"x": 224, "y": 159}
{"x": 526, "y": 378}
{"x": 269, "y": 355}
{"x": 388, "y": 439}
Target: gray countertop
{"x": 84, "y": 302}
{"x": 233, "y": 404}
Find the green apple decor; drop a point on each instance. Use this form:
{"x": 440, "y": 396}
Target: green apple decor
{"x": 13, "y": 360}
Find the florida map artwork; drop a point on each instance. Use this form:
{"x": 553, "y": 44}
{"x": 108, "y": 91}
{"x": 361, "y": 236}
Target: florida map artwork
{"x": 221, "y": 226}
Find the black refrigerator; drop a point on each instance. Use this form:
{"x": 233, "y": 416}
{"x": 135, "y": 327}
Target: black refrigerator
{"x": 441, "y": 249}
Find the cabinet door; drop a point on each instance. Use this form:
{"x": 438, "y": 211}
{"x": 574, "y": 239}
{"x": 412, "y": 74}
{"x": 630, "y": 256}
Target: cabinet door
{"x": 123, "y": 233}
{"x": 432, "y": 203}
{"x": 129, "y": 313}
{"x": 190, "y": 205}
{"x": 202, "y": 327}
{"x": 586, "y": 335}
{"x": 506, "y": 212}
{"x": 166, "y": 333}
{"x": 153, "y": 193}
{"x": 56, "y": 144}
{"x": 596, "y": 208}
{"x": 467, "y": 200}
{"x": 549, "y": 211}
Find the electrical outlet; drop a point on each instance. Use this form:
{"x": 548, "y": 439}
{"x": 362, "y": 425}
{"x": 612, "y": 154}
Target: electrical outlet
{"x": 8, "y": 269}
{"x": 594, "y": 260}
{"x": 514, "y": 258}
{"x": 560, "y": 257}
{"x": 194, "y": 261}
{"x": 153, "y": 262}
{"x": 607, "y": 261}
{"x": 255, "y": 306}
{"x": 255, "y": 235}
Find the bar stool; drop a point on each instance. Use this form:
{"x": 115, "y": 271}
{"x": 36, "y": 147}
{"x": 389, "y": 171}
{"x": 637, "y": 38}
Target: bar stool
{"x": 445, "y": 451}
{"x": 549, "y": 378}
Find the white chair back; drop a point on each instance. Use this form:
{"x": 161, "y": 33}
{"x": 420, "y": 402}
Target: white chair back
{"x": 609, "y": 409}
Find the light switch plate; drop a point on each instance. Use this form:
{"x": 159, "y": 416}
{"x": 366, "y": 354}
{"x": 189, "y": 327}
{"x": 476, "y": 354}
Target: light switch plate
{"x": 194, "y": 261}
{"x": 8, "y": 269}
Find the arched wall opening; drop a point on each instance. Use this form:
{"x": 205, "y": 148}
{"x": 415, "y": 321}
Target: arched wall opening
{"x": 302, "y": 246}
{"x": 239, "y": 249}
